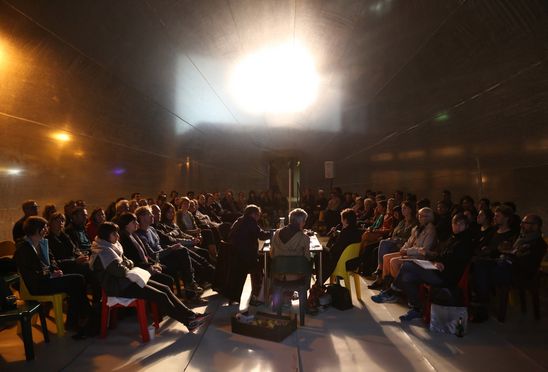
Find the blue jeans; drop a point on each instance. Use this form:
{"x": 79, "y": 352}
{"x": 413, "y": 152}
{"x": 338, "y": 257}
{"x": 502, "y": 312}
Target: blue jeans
{"x": 387, "y": 246}
{"x": 411, "y": 276}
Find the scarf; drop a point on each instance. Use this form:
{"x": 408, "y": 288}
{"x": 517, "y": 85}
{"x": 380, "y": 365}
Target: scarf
{"x": 106, "y": 251}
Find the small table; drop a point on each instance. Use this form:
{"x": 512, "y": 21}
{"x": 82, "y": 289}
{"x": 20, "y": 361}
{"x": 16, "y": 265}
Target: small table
{"x": 315, "y": 247}
{"x": 24, "y": 314}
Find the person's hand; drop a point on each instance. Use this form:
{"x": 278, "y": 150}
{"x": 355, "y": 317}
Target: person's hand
{"x": 176, "y": 246}
{"x": 82, "y": 258}
{"x": 403, "y": 251}
{"x": 56, "y": 274}
{"x": 196, "y": 241}
{"x": 422, "y": 251}
{"x": 439, "y": 266}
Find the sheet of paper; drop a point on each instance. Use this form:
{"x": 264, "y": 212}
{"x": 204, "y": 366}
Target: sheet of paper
{"x": 425, "y": 264}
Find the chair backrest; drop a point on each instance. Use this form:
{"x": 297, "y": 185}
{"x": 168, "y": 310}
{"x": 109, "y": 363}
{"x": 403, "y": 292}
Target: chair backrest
{"x": 290, "y": 265}
{"x": 7, "y": 248}
{"x": 350, "y": 252}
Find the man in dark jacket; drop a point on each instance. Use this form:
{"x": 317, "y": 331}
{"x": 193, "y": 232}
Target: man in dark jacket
{"x": 450, "y": 264}
{"x": 30, "y": 208}
{"x": 350, "y": 234}
{"x": 244, "y": 236}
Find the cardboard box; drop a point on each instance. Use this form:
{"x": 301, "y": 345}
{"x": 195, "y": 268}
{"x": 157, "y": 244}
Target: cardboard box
{"x": 278, "y": 333}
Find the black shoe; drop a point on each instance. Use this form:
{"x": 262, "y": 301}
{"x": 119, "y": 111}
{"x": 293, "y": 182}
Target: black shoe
{"x": 197, "y": 322}
{"x": 377, "y": 285}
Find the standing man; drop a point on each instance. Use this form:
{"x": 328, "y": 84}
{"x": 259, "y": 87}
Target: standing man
{"x": 244, "y": 236}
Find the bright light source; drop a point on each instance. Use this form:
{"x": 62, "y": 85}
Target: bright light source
{"x": 278, "y": 80}
{"x": 61, "y": 136}
{"x": 13, "y": 171}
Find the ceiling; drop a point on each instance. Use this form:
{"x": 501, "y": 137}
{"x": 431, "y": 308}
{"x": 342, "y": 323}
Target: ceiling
{"x": 414, "y": 94}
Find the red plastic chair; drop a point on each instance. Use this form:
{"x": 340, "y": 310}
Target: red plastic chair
{"x": 424, "y": 294}
{"x": 109, "y": 318}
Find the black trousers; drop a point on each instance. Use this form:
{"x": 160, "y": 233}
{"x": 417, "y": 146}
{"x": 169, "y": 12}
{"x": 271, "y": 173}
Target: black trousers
{"x": 203, "y": 270}
{"x": 177, "y": 261}
{"x": 82, "y": 268}
{"x": 163, "y": 296}
{"x": 238, "y": 276}
{"x": 74, "y": 286}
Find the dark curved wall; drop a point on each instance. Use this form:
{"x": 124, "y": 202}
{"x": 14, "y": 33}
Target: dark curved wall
{"x": 415, "y": 95}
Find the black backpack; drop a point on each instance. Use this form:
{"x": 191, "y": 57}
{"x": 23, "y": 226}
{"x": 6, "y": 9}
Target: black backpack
{"x": 340, "y": 296}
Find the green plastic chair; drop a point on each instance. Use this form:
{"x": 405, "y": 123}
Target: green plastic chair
{"x": 350, "y": 252}
{"x": 290, "y": 265}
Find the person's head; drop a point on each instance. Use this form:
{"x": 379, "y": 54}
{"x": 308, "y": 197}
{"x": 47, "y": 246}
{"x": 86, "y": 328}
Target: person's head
{"x": 128, "y": 222}
{"x": 512, "y": 206}
{"x": 381, "y": 207}
{"x": 56, "y": 222}
{"x": 108, "y": 231}
{"x": 193, "y": 206}
{"x": 390, "y": 204}
{"x": 531, "y": 223}
{"x": 162, "y": 198}
{"x": 368, "y": 204}
{"x": 396, "y": 212}
{"x": 217, "y": 196}
{"x": 298, "y": 217}
{"x": 467, "y": 202}
{"x": 133, "y": 205}
{"x": 79, "y": 216}
{"x": 503, "y": 213}
{"x": 144, "y": 217}
{"x": 142, "y": 202}
{"x": 380, "y": 197}
{"x": 30, "y": 208}
{"x": 98, "y": 216}
{"x": 398, "y": 195}
{"x": 229, "y": 195}
{"x": 321, "y": 193}
{"x": 349, "y": 218}
{"x": 157, "y": 212}
{"x": 484, "y": 203}
{"x": 423, "y": 203}
{"x": 252, "y": 211}
{"x": 122, "y": 206}
{"x": 459, "y": 223}
{"x": 201, "y": 199}
{"x": 173, "y": 194}
{"x": 446, "y": 195}
{"x": 190, "y": 194}
{"x": 251, "y": 194}
{"x": 426, "y": 216}
{"x": 408, "y": 210}
{"x": 485, "y": 217}
{"x": 210, "y": 199}
{"x": 49, "y": 209}
{"x": 168, "y": 211}
{"x": 185, "y": 204}
{"x": 135, "y": 196}
{"x": 443, "y": 208}
{"x": 35, "y": 227}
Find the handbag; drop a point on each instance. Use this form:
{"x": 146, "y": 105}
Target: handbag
{"x": 340, "y": 296}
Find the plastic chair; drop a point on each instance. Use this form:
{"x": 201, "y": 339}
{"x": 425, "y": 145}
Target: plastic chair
{"x": 290, "y": 265}
{"x": 108, "y": 315}
{"x": 424, "y": 293}
{"x": 55, "y": 299}
{"x": 350, "y": 252}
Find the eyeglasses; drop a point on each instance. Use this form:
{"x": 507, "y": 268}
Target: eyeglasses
{"x": 527, "y": 223}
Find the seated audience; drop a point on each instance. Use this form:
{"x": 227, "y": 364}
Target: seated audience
{"x": 400, "y": 235}
{"x": 42, "y": 275}
{"x": 97, "y": 217}
{"x": 111, "y": 267}
{"x": 30, "y": 208}
{"x": 122, "y": 206}
{"x": 77, "y": 230}
{"x": 187, "y": 224}
{"x": 450, "y": 264}
{"x": 49, "y": 209}
{"x": 443, "y": 221}
{"x": 422, "y": 241}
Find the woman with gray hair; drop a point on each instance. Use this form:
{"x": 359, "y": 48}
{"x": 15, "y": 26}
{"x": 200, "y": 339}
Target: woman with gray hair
{"x": 291, "y": 239}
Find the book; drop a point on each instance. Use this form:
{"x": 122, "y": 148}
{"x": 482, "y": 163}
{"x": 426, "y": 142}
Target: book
{"x": 425, "y": 264}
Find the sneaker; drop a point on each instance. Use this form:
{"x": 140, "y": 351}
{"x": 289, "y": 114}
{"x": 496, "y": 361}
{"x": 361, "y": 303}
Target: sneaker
{"x": 411, "y": 314}
{"x": 385, "y": 297}
{"x": 197, "y": 322}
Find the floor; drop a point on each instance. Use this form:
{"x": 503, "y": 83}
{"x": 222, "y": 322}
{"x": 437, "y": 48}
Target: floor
{"x": 368, "y": 337}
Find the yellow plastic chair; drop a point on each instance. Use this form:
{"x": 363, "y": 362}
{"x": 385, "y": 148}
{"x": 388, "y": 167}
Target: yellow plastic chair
{"x": 350, "y": 252}
{"x": 55, "y": 299}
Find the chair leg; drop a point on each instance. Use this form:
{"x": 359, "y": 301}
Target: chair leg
{"x": 302, "y": 306}
{"x": 142, "y": 316}
{"x": 104, "y": 318}
{"x": 503, "y": 303}
{"x": 27, "y": 336}
{"x": 43, "y": 324}
{"x": 155, "y": 315}
{"x": 357, "y": 286}
{"x": 523, "y": 300}
{"x": 58, "y": 312}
